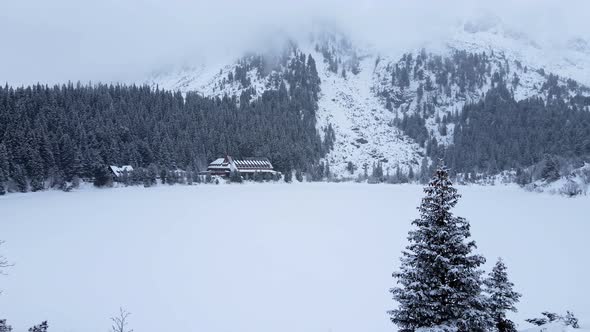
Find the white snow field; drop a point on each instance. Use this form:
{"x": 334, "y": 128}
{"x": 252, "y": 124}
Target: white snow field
{"x": 265, "y": 257}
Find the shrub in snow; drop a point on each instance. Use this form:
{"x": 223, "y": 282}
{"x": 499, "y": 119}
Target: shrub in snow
{"x": 39, "y": 328}
{"x": 299, "y": 176}
{"x": 439, "y": 279}
{"x": 537, "y": 321}
{"x": 571, "y": 188}
{"x": 568, "y": 320}
{"x": 571, "y": 320}
{"x": 3, "y": 262}
{"x": 4, "y": 327}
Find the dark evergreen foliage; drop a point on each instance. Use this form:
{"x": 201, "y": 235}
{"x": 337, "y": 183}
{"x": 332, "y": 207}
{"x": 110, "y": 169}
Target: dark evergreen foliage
{"x": 550, "y": 171}
{"x": 102, "y": 177}
{"x": 499, "y": 133}
{"x": 549, "y": 317}
{"x": 288, "y": 176}
{"x": 40, "y": 328}
{"x": 439, "y": 282}
{"x": 4, "y": 327}
{"x": 52, "y": 135}
{"x": 4, "y": 170}
{"x": 502, "y": 297}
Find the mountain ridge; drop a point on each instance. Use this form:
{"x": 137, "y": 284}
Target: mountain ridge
{"x": 360, "y": 101}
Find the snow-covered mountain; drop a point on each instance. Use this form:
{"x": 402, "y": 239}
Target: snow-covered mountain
{"x": 364, "y": 89}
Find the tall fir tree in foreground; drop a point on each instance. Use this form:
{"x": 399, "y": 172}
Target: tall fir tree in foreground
{"x": 439, "y": 281}
{"x": 502, "y": 297}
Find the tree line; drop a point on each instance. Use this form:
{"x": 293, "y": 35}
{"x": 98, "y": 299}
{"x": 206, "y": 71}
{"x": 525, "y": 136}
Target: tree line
{"x": 51, "y": 136}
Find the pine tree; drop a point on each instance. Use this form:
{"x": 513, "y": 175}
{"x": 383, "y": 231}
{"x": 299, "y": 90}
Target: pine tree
{"x": 411, "y": 174}
{"x": 288, "y": 177}
{"x": 439, "y": 282}
{"x": 189, "y": 178}
{"x": 171, "y": 177}
{"x": 377, "y": 173}
{"x": 37, "y": 172}
{"x": 550, "y": 171}
{"x": 424, "y": 170}
{"x": 102, "y": 177}
{"x": 502, "y": 298}
{"x": 350, "y": 167}
{"x": 235, "y": 176}
{"x": 3, "y": 169}
{"x": 152, "y": 175}
{"x": 299, "y": 175}
{"x": 19, "y": 177}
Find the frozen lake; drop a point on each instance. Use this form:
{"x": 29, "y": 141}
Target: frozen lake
{"x": 265, "y": 258}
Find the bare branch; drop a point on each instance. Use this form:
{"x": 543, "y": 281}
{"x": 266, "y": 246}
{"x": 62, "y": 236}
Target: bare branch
{"x": 120, "y": 322}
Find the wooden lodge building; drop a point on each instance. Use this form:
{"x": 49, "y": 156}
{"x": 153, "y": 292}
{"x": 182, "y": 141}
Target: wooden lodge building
{"x": 246, "y": 167}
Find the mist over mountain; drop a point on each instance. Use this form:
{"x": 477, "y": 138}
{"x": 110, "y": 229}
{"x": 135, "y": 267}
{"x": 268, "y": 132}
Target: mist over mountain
{"x": 68, "y": 40}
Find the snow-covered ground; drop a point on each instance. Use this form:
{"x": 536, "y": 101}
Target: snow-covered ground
{"x": 265, "y": 257}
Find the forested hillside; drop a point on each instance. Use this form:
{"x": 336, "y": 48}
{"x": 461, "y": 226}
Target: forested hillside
{"x": 350, "y": 115}
{"x": 499, "y": 133}
{"x": 53, "y": 135}
{"x": 486, "y": 113}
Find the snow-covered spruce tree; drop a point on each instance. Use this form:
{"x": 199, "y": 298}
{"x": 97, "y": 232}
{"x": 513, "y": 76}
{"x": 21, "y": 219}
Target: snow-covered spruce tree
{"x": 439, "y": 282}
{"x": 502, "y": 297}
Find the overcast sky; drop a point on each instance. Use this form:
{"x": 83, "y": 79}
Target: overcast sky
{"x": 109, "y": 40}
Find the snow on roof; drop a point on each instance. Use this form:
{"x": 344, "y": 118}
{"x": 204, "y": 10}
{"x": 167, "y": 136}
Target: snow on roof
{"x": 118, "y": 171}
{"x": 241, "y": 164}
{"x": 218, "y": 161}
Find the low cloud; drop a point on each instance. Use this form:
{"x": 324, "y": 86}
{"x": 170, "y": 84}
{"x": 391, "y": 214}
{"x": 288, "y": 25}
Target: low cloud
{"x": 112, "y": 40}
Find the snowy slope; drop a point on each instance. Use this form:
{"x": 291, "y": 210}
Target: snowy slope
{"x": 356, "y": 103}
{"x": 568, "y": 59}
{"x": 207, "y": 79}
{"x": 364, "y": 128}
{"x": 526, "y": 67}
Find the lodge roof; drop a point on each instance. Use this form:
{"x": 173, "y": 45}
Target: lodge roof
{"x": 118, "y": 171}
{"x": 242, "y": 164}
